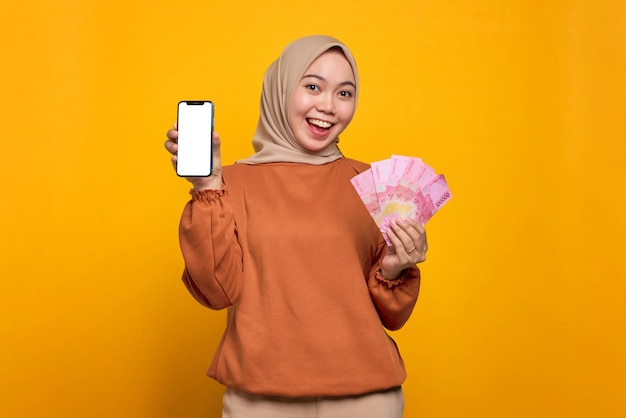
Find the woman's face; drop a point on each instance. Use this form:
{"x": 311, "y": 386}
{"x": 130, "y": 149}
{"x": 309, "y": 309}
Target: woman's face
{"x": 323, "y": 102}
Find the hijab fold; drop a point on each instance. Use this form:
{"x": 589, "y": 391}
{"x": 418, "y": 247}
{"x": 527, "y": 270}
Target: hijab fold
{"x": 273, "y": 140}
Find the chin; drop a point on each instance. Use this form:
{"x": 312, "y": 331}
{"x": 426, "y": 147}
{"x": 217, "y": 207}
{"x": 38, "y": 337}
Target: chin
{"x": 316, "y": 146}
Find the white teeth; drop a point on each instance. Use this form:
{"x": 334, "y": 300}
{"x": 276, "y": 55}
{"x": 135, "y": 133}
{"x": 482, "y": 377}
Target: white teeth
{"x": 320, "y": 123}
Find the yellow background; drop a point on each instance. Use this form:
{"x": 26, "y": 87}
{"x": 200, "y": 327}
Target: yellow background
{"x": 520, "y": 104}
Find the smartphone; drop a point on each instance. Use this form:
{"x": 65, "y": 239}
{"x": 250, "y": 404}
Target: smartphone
{"x": 195, "y": 147}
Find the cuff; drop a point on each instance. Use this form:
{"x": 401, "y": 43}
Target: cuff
{"x": 206, "y": 196}
{"x": 391, "y": 283}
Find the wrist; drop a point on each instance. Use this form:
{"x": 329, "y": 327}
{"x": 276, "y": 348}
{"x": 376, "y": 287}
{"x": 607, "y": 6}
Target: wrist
{"x": 391, "y": 274}
{"x": 206, "y": 185}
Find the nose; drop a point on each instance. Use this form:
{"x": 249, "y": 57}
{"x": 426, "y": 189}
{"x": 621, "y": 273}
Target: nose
{"x": 326, "y": 103}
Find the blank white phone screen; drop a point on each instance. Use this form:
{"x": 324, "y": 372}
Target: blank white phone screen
{"x": 195, "y": 127}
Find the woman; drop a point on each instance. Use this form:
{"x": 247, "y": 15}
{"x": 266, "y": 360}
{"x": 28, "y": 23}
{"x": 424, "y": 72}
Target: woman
{"x": 283, "y": 241}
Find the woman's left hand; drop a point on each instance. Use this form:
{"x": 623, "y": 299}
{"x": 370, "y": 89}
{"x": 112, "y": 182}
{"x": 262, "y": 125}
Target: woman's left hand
{"x": 409, "y": 247}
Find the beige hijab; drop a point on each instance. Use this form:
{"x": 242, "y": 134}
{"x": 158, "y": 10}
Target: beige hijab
{"x": 273, "y": 140}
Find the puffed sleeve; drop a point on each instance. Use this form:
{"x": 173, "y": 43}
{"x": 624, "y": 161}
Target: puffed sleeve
{"x": 394, "y": 299}
{"x": 212, "y": 254}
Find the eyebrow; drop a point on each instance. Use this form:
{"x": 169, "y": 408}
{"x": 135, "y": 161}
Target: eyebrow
{"x": 319, "y": 77}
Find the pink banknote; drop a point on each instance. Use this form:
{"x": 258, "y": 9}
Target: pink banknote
{"x": 401, "y": 188}
{"x": 364, "y": 186}
{"x": 397, "y": 165}
{"x": 380, "y": 175}
{"x": 438, "y": 191}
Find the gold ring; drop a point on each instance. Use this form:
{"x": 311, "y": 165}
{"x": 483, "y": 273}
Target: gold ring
{"x": 410, "y": 251}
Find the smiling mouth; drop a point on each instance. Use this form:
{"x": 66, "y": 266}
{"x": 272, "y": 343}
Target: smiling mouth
{"x": 320, "y": 124}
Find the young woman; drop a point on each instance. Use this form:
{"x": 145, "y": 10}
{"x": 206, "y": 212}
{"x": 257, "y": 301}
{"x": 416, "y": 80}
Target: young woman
{"x": 283, "y": 241}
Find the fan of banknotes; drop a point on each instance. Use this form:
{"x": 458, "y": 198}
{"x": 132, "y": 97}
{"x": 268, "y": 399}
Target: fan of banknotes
{"x": 399, "y": 188}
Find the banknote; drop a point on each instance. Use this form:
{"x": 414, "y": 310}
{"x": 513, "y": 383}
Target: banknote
{"x": 397, "y": 165}
{"x": 380, "y": 176}
{"x": 364, "y": 186}
{"x": 401, "y": 187}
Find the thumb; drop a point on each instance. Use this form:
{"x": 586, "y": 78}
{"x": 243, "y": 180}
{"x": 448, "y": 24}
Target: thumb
{"x": 217, "y": 152}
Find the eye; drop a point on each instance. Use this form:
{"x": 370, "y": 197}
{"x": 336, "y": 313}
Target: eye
{"x": 345, "y": 93}
{"x": 312, "y": 87}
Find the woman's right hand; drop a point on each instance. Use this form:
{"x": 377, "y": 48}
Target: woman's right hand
{"x": 212, "y": 182}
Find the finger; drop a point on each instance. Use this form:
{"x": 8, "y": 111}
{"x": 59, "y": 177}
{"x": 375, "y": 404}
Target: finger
{"x": 172, "y": 138}
{"x": 171, "y": 146}
{"x": 403, "y": 242}
{"x": 217, "y": 150}
{"x": 416, "y": 225}
{"x": 217, "y": 142}
{"x": 420, "y": 238}
{"x": 405, "y": 233}
{"x": 174, "y": 161}
{"x": 417, "y": 232}
{"x": 411, "y": 227}
{"x": 172, "y": 135}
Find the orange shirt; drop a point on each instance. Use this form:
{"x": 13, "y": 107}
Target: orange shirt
{"x": 294, "y": 255}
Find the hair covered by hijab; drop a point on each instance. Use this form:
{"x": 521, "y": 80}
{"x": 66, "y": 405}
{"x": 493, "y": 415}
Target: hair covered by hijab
{"x": 274, "y": 140}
